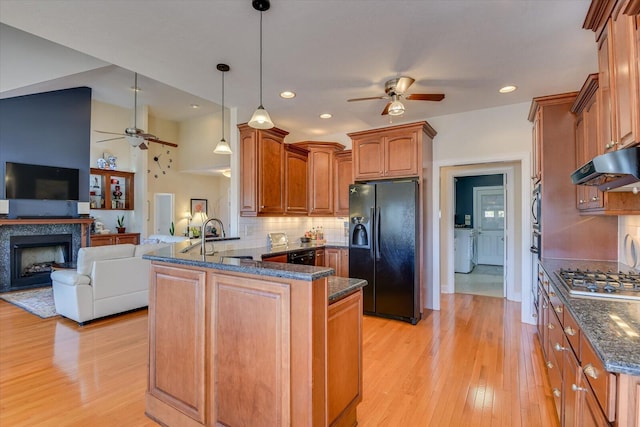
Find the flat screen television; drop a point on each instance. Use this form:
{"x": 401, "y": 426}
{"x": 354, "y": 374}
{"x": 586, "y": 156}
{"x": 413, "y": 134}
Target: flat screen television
{"x": 36, "y": 182}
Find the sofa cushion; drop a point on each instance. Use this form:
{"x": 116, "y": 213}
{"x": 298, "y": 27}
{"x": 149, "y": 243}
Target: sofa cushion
{"x": 86, "y": 256}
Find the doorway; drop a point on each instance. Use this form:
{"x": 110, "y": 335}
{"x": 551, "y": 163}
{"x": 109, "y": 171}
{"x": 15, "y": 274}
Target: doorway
{"x": 163, "y": 213}
{"x": 479, "y": 244}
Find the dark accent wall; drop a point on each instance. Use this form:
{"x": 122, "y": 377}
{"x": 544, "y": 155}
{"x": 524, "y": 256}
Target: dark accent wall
{"x": 52, "y": 129}
{"x": 464, "y": 193}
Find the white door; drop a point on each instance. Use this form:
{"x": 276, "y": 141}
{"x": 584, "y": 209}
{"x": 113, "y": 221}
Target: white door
{"x": 488, "y": 205}
{"x": 163, "y": 208}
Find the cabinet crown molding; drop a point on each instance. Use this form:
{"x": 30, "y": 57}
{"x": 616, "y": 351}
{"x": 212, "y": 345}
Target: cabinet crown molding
{"x": 428, "y": 130}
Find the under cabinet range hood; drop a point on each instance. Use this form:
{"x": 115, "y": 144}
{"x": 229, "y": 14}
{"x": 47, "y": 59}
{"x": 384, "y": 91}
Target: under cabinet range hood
{"x": 610, "y": 170}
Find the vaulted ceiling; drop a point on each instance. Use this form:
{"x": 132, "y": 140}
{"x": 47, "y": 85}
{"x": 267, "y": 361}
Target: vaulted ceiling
{"x": 326, "y": 51}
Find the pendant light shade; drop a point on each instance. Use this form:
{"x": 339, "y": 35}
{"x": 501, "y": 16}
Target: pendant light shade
{"x": 223, "y": 146}
{"x": 396, "y": 108}
{"x": 261, "y": 118}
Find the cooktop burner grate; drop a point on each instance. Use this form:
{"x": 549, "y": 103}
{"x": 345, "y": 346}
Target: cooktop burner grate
{"x": 601, "y": 284}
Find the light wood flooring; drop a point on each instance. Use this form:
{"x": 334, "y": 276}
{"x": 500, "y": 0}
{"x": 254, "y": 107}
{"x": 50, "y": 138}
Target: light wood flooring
{"x": 471, "y": 364}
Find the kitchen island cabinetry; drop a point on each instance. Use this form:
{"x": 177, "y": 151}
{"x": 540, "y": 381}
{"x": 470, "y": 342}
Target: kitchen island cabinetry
{"x": 321, "y": 175}
{"x": 392, "y": 152}
{"x": 262, "y": 171}
{"x": 233, "y": 342}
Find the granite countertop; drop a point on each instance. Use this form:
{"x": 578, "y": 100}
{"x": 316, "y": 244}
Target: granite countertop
{"x": 249, "y": 261}
{"x": 611, "y": 326}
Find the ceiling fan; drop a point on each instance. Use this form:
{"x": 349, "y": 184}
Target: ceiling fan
{"x": 395, "y": 90}
{"x": 135, "y": 136}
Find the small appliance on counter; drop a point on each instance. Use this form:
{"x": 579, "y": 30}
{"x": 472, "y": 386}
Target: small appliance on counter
{"x": 277, "y": 240}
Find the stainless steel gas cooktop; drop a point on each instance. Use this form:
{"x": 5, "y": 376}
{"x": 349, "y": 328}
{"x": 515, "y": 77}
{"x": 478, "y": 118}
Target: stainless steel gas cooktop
{"x": 600, "y": 284}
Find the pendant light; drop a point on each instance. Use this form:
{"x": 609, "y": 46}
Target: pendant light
{"x": 260, "y": 118}
{"x": 396, "y": 108}
{"x": 223, "y": 146}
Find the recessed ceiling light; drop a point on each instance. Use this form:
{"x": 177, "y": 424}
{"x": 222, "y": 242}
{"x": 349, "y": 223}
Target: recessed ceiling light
{"x": 326, "y": 115}
{"x": 507, "y": 89}
{"x": 194, "y": 106}
{"x": 287, "y": 94}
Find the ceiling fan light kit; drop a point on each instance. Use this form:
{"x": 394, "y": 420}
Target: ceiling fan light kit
{"x": 395, "y": 90}
{"x": 222, "y": 147}
{"x": 260, "y": 118}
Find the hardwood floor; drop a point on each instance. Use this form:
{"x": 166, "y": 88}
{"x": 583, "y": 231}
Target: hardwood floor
{"x": 472, "y": 364}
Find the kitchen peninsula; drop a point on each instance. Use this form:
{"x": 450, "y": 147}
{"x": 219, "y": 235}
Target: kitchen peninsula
{"x": 235, "y": 341}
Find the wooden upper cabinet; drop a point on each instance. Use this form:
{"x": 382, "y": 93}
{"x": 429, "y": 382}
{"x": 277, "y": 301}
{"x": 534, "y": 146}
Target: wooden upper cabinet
{"x": 343, "y": 178}
{"x": 624, "y": 75}
{"x": 392, "y": 152}
{"x": 615, "y": 24}
{"x": 401, "y": 154}
{"x": 368, "y": 157}
{"x": 296, "y": 170}
{"x": 321, "y": 175}
{"x": 262, "y": 171}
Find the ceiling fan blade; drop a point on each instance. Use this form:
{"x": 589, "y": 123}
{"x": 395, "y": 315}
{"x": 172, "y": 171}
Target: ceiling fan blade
{"x": 403, "y": 84}
{"x": 111, "y": 139}
{"x": 143, "y": 146}
{"x": 425, "y": 97}
{"x": 159, "y": 141}
{"x": 366, "y": 99}
{"x": 386, "y": 109}
{"x": 109, "y": 133}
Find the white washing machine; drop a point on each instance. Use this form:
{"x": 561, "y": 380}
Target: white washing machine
{"x": 464, "y": 245}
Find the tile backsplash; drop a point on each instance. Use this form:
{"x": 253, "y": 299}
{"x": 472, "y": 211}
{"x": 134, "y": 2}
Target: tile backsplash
{"x": 253, "y": 231}
{"x": 629, "y": 240}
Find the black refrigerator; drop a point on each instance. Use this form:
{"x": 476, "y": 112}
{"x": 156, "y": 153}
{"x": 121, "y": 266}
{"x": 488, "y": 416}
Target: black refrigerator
{"x": 383, "y": 247}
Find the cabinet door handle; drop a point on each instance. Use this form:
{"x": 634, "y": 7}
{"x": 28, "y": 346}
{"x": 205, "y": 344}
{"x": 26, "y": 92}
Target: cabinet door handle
{"x": 576, "y": 388}
{"x": 595, "y": 198}
{"x": 570, "y": 331}
{"x": 556, "y": 392}
{"x": 551, "y": 293}
{"x": 558, "y": 347}
{"x": 581, "y": 202}
{"x": 558, "y": 309}
{"x": 550, "y": 326}
{"x": 590, "y": 371}
{"x": 549, "y": 364}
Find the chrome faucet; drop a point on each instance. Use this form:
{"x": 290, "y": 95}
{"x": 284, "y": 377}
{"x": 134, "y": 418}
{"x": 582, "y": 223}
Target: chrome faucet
{"x": 203, "y": 237}
{"x": 222, "y": 233}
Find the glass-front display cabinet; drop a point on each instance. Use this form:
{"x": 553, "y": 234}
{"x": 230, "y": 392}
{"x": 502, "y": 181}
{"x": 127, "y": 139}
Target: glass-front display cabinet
{"x": 110, "y": 189}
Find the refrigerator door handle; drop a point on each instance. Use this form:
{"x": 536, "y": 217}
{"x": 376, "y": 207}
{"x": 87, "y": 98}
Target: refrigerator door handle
{"x": 373, "y": 237}
{"x": 377, "y": 225}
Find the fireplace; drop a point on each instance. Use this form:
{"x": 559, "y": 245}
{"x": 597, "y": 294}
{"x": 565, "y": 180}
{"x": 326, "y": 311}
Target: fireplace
{"x": 33, "y": 257}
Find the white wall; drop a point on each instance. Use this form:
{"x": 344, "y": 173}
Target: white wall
{"x": 501, "y": 134}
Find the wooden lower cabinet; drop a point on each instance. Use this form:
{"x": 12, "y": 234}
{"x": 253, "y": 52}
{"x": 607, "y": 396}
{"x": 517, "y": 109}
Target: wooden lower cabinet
{"x": 114, "y": 239}
{"x": 338, "y": 259}
{"x": 320, "y": 258}
{"x": 344, "y": 338}
{"x": 234, "y": 349}
{"x": 276, "y": 258}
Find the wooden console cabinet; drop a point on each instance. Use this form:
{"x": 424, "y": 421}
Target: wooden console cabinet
{"x": 110, "y": 189}
{"x": 114, "y": 239}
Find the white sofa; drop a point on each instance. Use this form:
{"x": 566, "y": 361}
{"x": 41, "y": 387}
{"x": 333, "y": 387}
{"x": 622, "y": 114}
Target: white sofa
{"x": 108, "y": 280}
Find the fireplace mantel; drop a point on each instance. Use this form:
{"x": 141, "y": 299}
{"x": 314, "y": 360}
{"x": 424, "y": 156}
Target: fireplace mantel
{"x": 84, "y": 222}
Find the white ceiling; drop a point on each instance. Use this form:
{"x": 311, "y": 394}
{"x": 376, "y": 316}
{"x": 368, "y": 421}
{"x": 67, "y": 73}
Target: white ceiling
{"x": 327, "y": 51}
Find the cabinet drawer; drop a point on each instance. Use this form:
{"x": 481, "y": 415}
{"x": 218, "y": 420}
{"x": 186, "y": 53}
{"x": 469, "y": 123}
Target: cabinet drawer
{"x": 555, "y": 304}
{"x": 557, "y": 341}
{"x": 602, "y": 382}
{"x": 554, "y": 370}
{"x": 572, "y": 332}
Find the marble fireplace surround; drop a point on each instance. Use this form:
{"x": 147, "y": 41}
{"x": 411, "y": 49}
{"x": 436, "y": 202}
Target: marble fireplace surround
{"x": 77, "y": 227}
